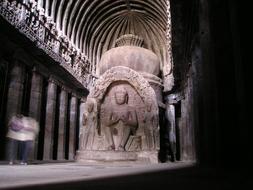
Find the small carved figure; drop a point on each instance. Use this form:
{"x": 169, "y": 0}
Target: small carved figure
{"x": 123, "y": 115}
{"x": 151, "y": 126}
{"x": 89, "y": 124}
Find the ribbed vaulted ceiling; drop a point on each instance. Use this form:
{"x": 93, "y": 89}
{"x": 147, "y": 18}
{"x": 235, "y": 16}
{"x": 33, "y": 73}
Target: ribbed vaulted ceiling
{"x": 94, "y": 25}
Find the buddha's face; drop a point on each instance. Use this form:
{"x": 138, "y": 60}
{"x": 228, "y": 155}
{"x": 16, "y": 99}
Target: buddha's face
{"x": 121, "y": 96}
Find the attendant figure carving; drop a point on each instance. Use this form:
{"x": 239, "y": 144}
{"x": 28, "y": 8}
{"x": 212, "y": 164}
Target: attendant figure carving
{"x": 151, "y": 126}
{"x": 89, "y": 124}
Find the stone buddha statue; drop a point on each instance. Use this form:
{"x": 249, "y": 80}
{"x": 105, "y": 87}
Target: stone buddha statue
{"x": 120, "y": 115}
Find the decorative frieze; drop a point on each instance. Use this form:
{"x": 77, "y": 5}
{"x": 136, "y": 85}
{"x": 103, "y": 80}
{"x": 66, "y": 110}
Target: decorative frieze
{"x": 168, "y": 78}
{"x": 31, "y": 21}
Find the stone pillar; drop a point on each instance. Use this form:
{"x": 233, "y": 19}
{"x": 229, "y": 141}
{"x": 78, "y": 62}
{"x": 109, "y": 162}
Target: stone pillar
{"x": 82, "y": 107}
{"x": 50, "y": 120}
{"x": 15, "y": 92}
{"x": 35, "y": 105}
{"x": 183, "y": 131}
{"x": 72, "y": 126}
{"x": 170, "y": 114}
{"x": 61, "y": 145}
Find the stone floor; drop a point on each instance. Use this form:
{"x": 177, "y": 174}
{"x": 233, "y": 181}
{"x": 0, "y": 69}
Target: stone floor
{"x": 74, "y": 175}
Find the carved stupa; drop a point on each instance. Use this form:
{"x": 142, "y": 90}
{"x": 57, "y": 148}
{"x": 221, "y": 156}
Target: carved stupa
{"x": 124, "y": 122}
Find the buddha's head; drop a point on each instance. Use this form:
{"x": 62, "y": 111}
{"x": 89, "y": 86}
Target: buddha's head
{"x": 121, "y": 95}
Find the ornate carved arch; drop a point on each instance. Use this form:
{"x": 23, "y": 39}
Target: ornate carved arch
{"x": 121, "y": 73}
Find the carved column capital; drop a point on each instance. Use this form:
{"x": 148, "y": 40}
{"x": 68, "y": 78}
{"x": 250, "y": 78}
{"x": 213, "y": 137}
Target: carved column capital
{"x": 83, "y": 99}
{"x": 79, "y": 95}
{"x": 35, "y": 69}
{"x": 74, "y": 95}
{"x": 173, "y": 98}
{"x": 53, "y": 80}
{"x": 64, "y": 88}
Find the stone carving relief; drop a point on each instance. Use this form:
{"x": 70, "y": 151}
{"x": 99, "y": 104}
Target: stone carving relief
{"x": 120, "y": 119}
{"x": 127, "y": 113}
{"x": 121, "y": 73}
{"x": 151, "y": 131}
{"x": 127, "y": 105}
{"x": 89, "y": 123}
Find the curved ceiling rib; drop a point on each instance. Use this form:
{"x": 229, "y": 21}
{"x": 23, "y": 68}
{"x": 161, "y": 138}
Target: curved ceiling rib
{"x": 100, "y": 36}
{"x": 53, "y": 7}
{"x": 59, "y": 15}
{"x": 73, "y": 16}
{"x": 115, "y": 10}
{"x": 47, "y": 5}
{"x": 92, "y": 26}
{"x": 86, "y": 36}
{"x": 66, "y": 16}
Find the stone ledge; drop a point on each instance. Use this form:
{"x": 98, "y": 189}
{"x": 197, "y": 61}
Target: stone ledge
{"x": 87, "y": 156}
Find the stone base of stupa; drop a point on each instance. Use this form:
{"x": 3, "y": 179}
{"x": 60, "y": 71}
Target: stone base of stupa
{"x": 91, "y": 156}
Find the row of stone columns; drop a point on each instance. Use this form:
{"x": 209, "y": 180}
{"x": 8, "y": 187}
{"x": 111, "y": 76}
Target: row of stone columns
{"x": 63, "y": 118}
{"x": 66, "y": 117}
